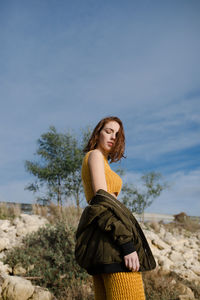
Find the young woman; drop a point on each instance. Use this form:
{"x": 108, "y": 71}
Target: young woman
{"x": 108, "y": 235}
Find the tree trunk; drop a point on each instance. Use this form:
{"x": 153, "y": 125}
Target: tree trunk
{"x": 59, "y": 193}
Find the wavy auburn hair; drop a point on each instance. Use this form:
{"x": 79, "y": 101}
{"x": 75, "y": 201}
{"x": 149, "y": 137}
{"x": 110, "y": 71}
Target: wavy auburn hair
{"x": 119, "y": 147}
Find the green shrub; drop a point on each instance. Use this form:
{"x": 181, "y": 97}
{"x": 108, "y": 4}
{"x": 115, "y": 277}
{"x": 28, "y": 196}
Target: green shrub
{"x": 51, "y": 251}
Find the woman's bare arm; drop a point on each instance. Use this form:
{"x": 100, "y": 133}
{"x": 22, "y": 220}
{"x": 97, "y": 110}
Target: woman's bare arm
{"x": 97, "y": 172}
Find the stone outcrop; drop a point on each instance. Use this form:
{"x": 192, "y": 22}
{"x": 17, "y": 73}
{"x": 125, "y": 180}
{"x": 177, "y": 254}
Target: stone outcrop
{"x": 176, "y": 251}
{"x": 11, "y": 234}
{"x": 17, "y": 288}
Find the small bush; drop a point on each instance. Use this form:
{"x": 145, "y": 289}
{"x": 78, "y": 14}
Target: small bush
{"x": 153, "y": 225}
{"x": 51, "y": 251}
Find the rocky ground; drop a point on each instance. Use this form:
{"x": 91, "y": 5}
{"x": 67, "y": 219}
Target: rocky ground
{"x": 11, "y": 234}
{"x": 175, "y": 250}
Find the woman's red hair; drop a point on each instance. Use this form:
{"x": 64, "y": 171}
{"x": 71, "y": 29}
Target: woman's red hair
{"x": 119, "y": 147}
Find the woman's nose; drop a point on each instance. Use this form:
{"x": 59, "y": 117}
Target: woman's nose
{"x": 113, "y": 136}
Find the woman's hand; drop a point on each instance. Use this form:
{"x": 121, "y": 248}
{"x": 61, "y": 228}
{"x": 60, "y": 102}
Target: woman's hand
{"x": 132, "y": 261}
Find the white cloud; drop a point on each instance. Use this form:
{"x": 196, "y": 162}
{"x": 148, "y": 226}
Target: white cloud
{"x": 171, "y": 127}
{"x": 149, "y": 150}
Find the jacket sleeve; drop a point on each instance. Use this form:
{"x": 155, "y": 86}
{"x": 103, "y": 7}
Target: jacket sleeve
{"x": 117, "y": 230}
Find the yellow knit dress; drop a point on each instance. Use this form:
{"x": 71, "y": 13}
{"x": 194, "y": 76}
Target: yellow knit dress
{"x": 112, "y": 286}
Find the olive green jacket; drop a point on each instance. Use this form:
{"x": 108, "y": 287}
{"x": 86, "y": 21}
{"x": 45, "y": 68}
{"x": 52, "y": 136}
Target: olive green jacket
{"x": 108, "y": 231}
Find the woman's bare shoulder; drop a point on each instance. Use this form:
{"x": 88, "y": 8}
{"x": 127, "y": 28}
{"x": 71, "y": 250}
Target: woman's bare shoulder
{"x": 95, "y": 155}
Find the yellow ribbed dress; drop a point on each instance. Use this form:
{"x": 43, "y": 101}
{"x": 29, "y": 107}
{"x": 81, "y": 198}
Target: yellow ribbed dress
{"x": 113, "y": 180}
{"x": 112, "y": 286}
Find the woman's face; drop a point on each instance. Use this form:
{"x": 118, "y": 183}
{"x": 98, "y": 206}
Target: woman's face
{"x": 107, "y": 137}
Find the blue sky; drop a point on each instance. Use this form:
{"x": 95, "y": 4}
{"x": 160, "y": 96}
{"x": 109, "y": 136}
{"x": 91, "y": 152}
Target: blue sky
{"x": 70, "y": 63}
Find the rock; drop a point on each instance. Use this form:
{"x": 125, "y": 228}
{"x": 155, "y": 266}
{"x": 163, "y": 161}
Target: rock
{"x": 162, "y": 232}
{"x": 154, "y": 249}
{"x": 30, "y": 268}
{"x": 165, "y": 263}
{"x": 185, "y": 297}
{"x": 159, "y": 243}
{"x": 155, "y": 226}
{"x": 21, "y": 230}
{"x": 5, "y": 268}
{"x": 41, "y": 294}
{"x": 188, "y": 255}
{"x": 2, "y": 254}
{"x": 26, "y": 224}
{"x": 150, "y": 234}
{"x": 176, "y": 258}
{"x": 179, "y": 247}
{"x": 4, "y": 244}
{"x": 173, "y": 281}
{"x": 189, "y": 275}
{"x": 16, "y": 288}
{"x": 170, "y": 239}
{"x": 19, "y": 270}
{"x": 196, "y": 269}
{"x": 186, "y": 292}
{"x": 12, "y": 233}
{"x": 4, "y": 225}
{"x": 33, "y": 220}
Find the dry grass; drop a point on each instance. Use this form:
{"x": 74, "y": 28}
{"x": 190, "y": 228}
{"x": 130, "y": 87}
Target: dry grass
{"x": 9, "y": 211}
{"x": 40, "y": 210}
{"x": 69, "y": 214}
{"x": 188, "y": 225}
{"x": 167, "y": 286}
{"x": 159, "y": 286}
{"x": 80, "y": 292}
{"x": 153, "y": 225}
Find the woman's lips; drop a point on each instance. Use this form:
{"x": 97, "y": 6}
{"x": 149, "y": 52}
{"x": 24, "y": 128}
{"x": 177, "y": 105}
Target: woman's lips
{"x": 110, "y": 144}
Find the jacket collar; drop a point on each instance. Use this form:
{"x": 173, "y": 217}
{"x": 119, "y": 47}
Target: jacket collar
{"x": 103, "y": 196}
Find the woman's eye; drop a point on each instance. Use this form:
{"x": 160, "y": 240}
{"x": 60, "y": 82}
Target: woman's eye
{"x": 108, "y": 131}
